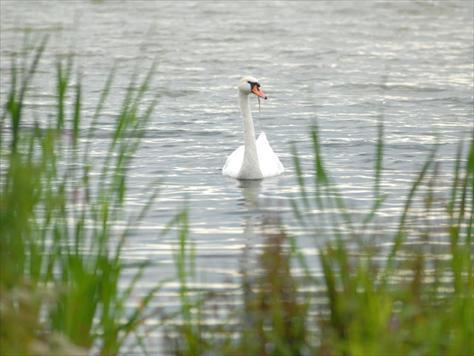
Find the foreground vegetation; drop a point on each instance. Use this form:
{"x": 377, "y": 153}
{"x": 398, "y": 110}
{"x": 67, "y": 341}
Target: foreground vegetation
{"x": 61, "y": 252}
{"x": 407, "y": 299}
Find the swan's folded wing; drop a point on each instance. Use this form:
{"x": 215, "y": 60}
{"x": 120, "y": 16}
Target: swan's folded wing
{"x": 270, "y": 164}
{"x": 234, "y": 163}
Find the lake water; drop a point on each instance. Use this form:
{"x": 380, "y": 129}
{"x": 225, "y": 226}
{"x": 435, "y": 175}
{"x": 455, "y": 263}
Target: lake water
{"x": 340, "y": 63}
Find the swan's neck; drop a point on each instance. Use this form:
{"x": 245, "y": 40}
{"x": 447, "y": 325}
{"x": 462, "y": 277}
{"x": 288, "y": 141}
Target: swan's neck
{"x": 250, "y": 167}
{"x": 249, "y": 129}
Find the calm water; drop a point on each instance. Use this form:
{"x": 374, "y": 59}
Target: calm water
{"x": 342, "y": 63}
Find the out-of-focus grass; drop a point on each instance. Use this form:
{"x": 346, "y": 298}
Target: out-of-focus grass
{"x": 420, "y": 299}
{"x": 60, "y": 251}
{"x": 370, "y": 299}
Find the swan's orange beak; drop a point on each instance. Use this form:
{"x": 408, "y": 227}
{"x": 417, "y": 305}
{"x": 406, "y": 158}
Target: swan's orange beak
{"x": 258, "y": 92}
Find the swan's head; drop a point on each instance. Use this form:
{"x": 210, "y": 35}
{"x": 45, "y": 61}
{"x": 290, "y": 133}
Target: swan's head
{"x": 251, "y": 85}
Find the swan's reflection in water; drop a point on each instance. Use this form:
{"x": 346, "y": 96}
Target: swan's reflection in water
{"x": 264, "y": 254}
{"x": 259, "y": 213}
{"x": 251, "y": 190}
{"x": 250, "y": 201}
{"x": 251, "y": 220}
{"x": 258, "y": 209}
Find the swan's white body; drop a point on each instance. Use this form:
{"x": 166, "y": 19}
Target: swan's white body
{"x": 255, "y": 159}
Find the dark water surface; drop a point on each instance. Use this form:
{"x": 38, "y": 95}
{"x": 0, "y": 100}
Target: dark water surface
{"x": 343, "y": 63}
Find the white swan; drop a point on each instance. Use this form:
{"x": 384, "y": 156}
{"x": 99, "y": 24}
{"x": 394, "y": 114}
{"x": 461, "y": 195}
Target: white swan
{"x": 255, "y": 159}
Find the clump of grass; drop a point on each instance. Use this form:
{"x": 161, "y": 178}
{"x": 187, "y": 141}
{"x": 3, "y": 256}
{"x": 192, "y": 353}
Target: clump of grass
{"x": 60, "y": 258}
{"x": 272, "y": 318}
{"x": 420, "y": 299}
{"x": 369, "y": 300}
{"x": 275, "y": 319}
